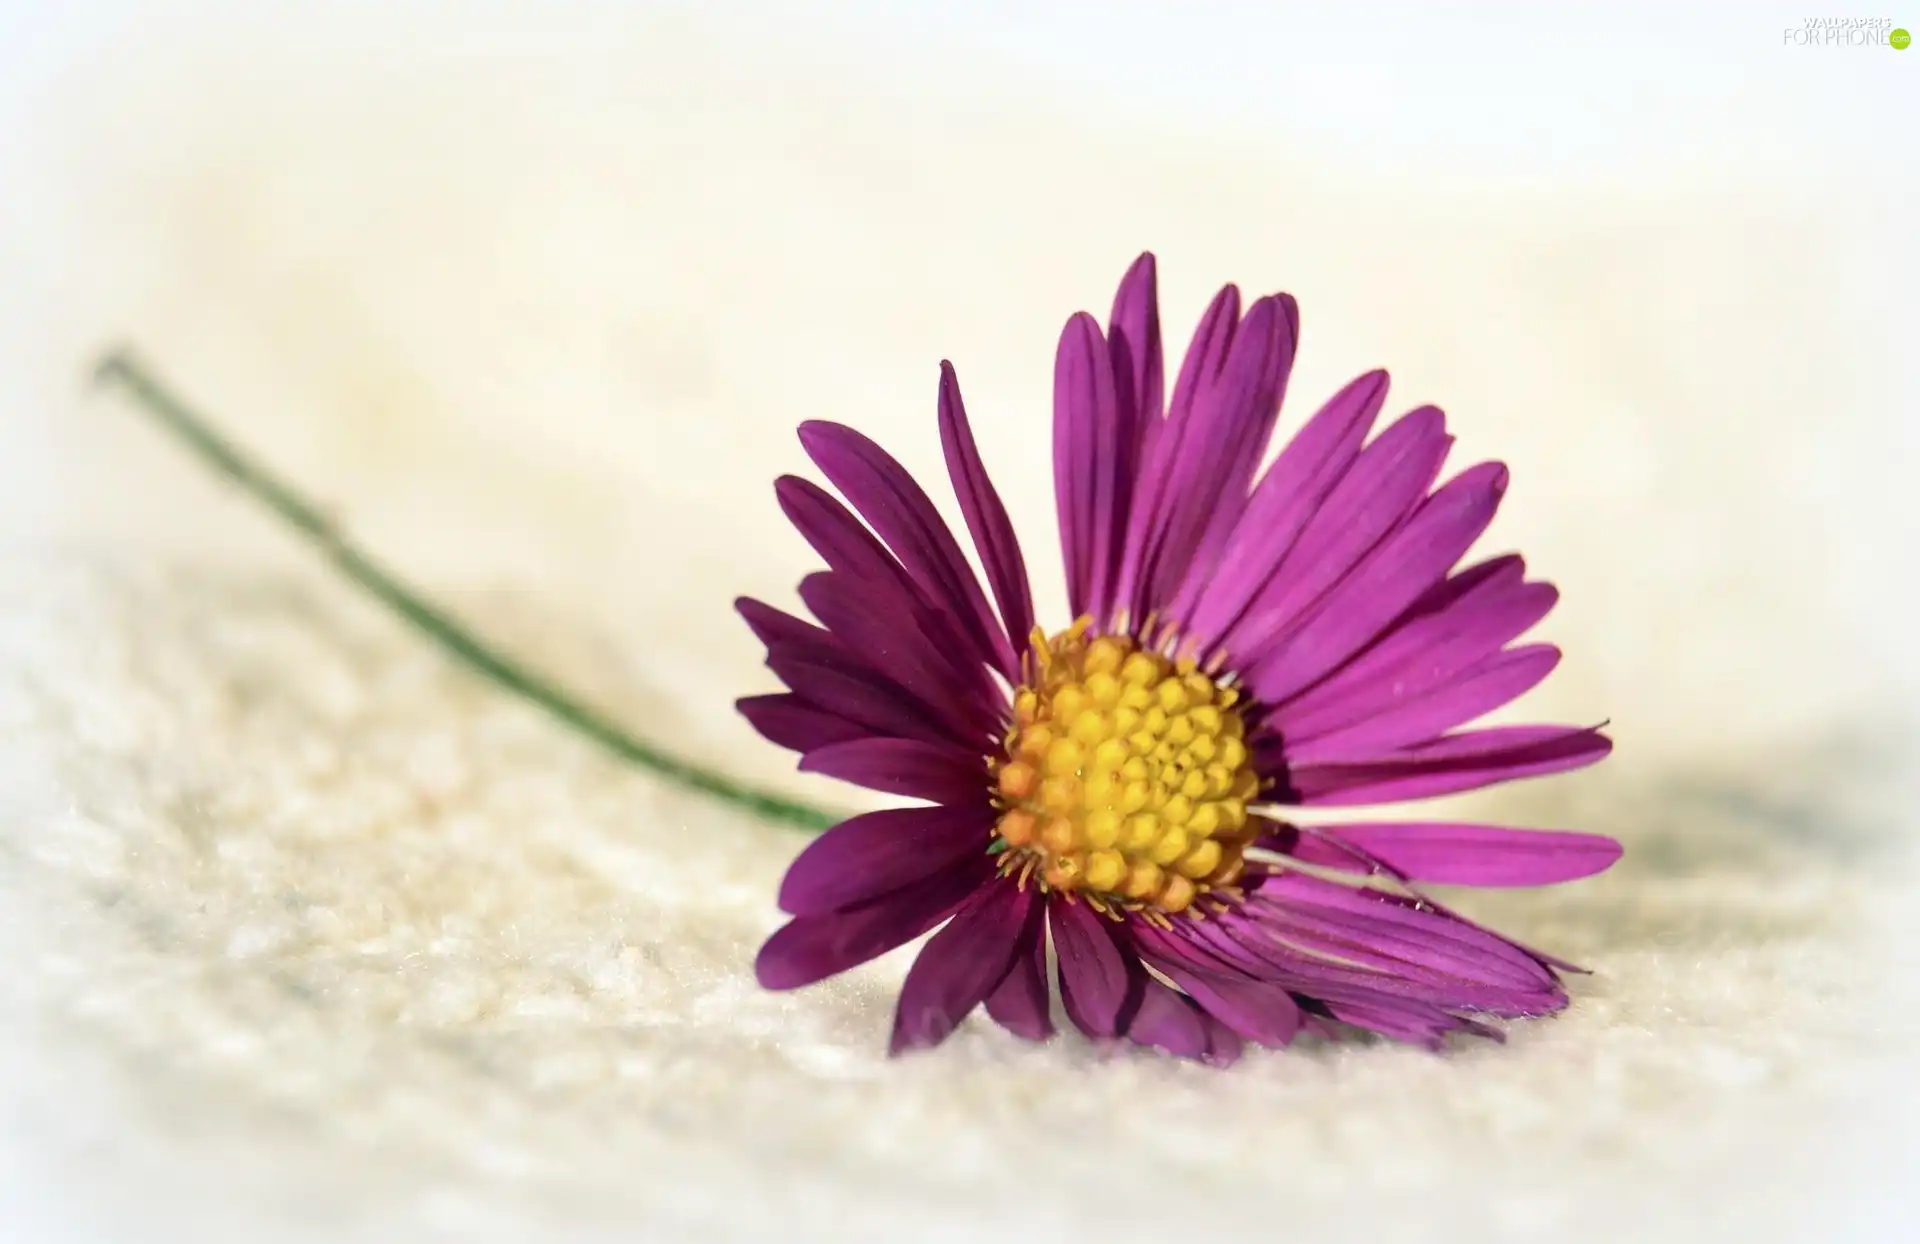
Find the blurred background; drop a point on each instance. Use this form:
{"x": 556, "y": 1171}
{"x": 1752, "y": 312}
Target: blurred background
{"x": 311, "y": 935}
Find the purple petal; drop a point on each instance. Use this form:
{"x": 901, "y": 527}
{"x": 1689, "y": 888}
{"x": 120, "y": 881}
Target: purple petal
{"x": 1205, "y": 460}
{"x": 1224, "y": 1045}
{"x": 1384, "y": 584}
{"x": 1206, "y": 353}
{"x": 1260, "y": 1011}
{"x": 906, "y": 767}
{"x": 846, "y": 606}
{"x": 811, "y": 948}
{"x": 1310, "y": 846}
{"x": 1291, "y": 491}
{"x": 1372, "y": 499}
{"x": 1436, "y": 1011}
{"x": 1458, "y": 762}
{"x": 891, "y": 641}
{"x": 1087, "y": 460}
{"x": 828, "y": 675}
{"x": 1475, "y": 745}
{"x": 840, "y": 538}
{"x": 1315, "y": 846}
{"x": 1479, "y": 855}
{"x": 1020, "y": 1004}
{"x": 1133, "y": 334}
{"x": 1408, "y": 1022}
{"x": 1485, "y": 580}
{"x": 1139, "y": 378}
{"x": 791, "y": 722}
{"x": 847, "y": 689}
{"x": 1316, "y": 958}
{"x": 1455, "y": 627}
{"x": 1315, "y": 951}
{"x": 867, "y": 856}
{"x": 1538, "y": 956}
{"x": 1151, "y": 493}
{"x": 1139, "y": 392}
{"x": 1405, "y": 930}
{"x": 1335, "y": 969}
{"x": 1502, "y": 678}
{"x": 770, "y": 626}
{"x": 961, "y": 965}
{"x": 1199, "y": 946}
{"x": 993, "y": 534}
{"x": 884, "y": 494}
{"x": 851, "y": 550}
{"x": 1225, "y": 485}
{"x": 1169, "y": 1021}
{"x": 1096, "y": 986}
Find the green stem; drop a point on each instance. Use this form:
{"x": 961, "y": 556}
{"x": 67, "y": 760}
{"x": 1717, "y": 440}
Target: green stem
{"x": 442, "y": 628}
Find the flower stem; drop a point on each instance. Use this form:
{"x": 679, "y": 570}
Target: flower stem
{"x": 308, "y": 520}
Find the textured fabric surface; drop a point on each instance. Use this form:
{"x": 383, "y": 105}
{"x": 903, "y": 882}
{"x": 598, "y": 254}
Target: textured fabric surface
{"x": 310, "y": 934}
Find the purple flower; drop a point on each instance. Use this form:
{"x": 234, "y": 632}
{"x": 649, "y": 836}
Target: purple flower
{"x": 1241, "y": 647}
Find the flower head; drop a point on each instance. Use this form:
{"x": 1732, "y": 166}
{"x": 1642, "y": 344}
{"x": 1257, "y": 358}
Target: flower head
{"x": 1124, "y": 786}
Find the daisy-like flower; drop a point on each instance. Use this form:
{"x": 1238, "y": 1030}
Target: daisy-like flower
{"x": 1122, "y": 788}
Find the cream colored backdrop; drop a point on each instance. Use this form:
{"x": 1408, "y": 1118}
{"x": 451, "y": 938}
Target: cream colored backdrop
{"x": 310, "y": 935}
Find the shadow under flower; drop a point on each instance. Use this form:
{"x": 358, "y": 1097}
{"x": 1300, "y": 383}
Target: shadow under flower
{"x": 1740, "y": 851}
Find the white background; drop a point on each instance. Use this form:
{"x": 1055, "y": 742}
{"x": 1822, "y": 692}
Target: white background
{"x": 535, "y": 296}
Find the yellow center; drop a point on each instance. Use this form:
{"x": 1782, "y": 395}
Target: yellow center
{"x": 1126, "y": 778}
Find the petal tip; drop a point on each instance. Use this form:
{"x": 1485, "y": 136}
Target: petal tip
{"x": 1141, "y": 281}
{"x": 815, "y": 434}
{"x": 771, "y": 968}
{"x": 1430, "y": 420}
{"x": 913, "y": 1037}
{"x": 1290, "y": 313}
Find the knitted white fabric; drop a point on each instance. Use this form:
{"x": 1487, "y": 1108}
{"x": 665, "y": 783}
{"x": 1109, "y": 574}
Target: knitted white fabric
{"x": 310, "y": 934}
